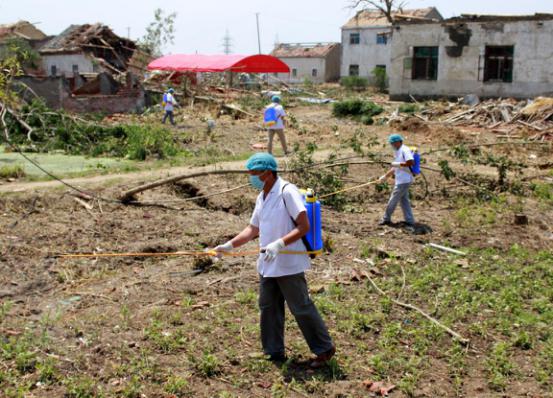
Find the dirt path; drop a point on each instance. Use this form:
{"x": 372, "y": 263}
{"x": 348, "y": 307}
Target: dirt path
{"x": 119, "y": 177}
{"x": 150, "y": 175}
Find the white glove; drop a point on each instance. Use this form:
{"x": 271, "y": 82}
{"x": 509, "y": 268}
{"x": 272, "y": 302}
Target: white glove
{"x": 382, "y": 178}
{"x": 396, "y": 164}
{"x": 272, "y": 249}
{"x": 225, "y": 248}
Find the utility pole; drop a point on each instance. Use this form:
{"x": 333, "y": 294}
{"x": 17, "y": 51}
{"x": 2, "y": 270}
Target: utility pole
{"x": 128, "y": 32}
{"x": 227, "y": 43}
{"x": 258, "y": 37}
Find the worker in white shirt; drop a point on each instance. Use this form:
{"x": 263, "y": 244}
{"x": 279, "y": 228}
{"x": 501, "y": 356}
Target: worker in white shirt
{"x": 280, "y": 221}
{"x": 403, "y": 160}
{"x": 278, "y": 127}
{"x": 169, "y": 103}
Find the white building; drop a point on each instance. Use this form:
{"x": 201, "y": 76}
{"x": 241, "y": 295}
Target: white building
{"x": 490, "y": 56}
{"x": 366, "y": 40}
{"x": 316, "y": 62}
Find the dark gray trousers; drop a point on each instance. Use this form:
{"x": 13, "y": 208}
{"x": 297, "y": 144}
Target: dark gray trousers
{"x": 168, "y": 114}
{"x": 273, "y": 292}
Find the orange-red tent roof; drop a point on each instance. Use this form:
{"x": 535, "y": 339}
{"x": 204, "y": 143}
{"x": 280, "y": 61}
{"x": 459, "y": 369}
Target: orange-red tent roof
{"x": 220, "y": 63}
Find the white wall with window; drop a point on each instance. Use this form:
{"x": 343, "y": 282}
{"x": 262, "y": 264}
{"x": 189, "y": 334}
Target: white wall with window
{"x": 304, "y": 69}
{"x": 68, "y": 64}
{"x": 505, "y": 57}
{"x": 367, "y": 48}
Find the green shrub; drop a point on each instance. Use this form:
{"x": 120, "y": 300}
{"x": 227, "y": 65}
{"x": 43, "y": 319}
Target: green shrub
{"x": 144, "y": 142}
{"x": 408, "y": 108}
{"x": 364, "y": 111}
{"x": 354, "y": 82}
{"x": 208, "y": 365}
{"x": 56, "y": 130}
{"x": 380, "y": 78}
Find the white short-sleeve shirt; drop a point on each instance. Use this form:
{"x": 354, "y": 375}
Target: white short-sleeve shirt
{"x": 274, "y": 221}
{"x": 279, "y": 125}
{"x": 170, "y": 102}
{"x": 403, "y": 175}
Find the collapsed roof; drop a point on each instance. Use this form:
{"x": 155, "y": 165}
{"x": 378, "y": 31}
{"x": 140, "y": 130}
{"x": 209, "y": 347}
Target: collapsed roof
{"x": 303, "y": 50}
{"x": 478, "y": 18}
{"x": 97, "y": 40}
{"x": 21, "y": 29}
{"x": 375, "y": 18}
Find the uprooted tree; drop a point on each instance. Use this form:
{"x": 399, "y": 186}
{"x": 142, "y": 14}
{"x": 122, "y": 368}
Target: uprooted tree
{"x": 386, "y": 7}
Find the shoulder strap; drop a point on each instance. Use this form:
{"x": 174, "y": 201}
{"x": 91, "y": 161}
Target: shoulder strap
{"x": 303, "y": 238}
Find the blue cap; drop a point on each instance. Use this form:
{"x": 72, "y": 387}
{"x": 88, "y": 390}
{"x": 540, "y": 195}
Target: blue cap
{"x": 262, "y": 161}
{"x": 395, "y": 138}
{"x": 171, "y": 90}
{"x": 275, "y": 98}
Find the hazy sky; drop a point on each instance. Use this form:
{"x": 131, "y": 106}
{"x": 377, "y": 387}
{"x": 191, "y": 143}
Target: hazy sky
{"x": 201, "y": 25}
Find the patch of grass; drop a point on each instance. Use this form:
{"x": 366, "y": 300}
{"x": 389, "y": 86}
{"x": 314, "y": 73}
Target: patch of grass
{"x": 499, "y": 366}
{"x": 47, "y": 371}
{"x": 177, "y": 386}
{"x": 248, "y": 296}
{"x": 133, "y": 388}
{"x": 81, "y": 387}
{"x": 163, "y": 338}
{"x": 15, "y": 171}
{"x": 208, "y": 365}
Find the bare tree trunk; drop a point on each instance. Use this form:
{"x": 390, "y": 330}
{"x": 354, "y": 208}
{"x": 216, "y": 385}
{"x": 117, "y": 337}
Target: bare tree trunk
{"x": 386, "y": 7}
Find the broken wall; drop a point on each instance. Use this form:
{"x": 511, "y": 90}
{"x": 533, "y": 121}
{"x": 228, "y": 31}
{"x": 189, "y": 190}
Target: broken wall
{"x": 106, "y": 104}
{"x": 52, "y": 89}
{"x": 461, "y": 58}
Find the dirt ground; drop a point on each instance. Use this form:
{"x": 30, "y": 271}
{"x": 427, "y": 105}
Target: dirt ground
{"x": 184, "y": 326}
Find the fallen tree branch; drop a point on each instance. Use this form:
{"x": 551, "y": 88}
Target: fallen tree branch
{"x": 451, "y": 332}
{"x": 128, "y": 196}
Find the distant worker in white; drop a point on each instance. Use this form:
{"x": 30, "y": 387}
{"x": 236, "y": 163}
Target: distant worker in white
{"x": 169, "y": 103}
{"x": 274, "y": 121}
{"x": 403, "y": 161}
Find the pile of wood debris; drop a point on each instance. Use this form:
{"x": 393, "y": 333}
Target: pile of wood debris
{"x": 501, "y": 116}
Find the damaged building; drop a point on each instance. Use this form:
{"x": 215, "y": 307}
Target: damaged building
{"x": 23, "y": 30}
{"x": 367, "y": 39}
{"x": 489, "y": 56}
{"x": 88, "y": 68}
{"x": 316, "y": 62}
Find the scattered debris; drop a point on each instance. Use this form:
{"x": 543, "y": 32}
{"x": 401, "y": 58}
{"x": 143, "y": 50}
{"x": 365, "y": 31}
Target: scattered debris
{"x": 378, "y": 387}
{"x": 445, "y": 249}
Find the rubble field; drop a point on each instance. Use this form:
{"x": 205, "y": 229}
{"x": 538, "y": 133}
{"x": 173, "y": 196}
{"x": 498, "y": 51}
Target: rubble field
{"x": 188, "y": 327}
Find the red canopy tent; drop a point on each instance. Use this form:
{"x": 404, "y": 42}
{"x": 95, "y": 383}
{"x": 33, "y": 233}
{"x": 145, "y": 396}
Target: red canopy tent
{"x": 220, "y": 63}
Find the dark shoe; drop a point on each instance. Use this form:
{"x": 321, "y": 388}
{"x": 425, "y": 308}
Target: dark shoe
{"x": 384, "y": 222}
{"x": 322, "y": 359}
{"x": 280, "y": 357}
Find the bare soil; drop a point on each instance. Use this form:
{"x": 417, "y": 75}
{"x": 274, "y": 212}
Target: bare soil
{"x": 134, "y": 324}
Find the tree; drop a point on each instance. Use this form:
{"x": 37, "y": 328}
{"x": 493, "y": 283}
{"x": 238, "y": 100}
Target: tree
{"x": 386, "y": 7}
{"x": 159, "y": 33}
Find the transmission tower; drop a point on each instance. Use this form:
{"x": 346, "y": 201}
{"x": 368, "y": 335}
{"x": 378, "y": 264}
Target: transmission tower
{"x": 227, "y": 43}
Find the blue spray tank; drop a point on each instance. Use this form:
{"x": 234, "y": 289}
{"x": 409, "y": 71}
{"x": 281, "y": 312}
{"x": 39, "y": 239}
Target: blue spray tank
{"x": 314, "y": 237}
{"x": 416, "y": 167}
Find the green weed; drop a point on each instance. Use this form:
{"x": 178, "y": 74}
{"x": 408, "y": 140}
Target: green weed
{"x": 15, "y": 171}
